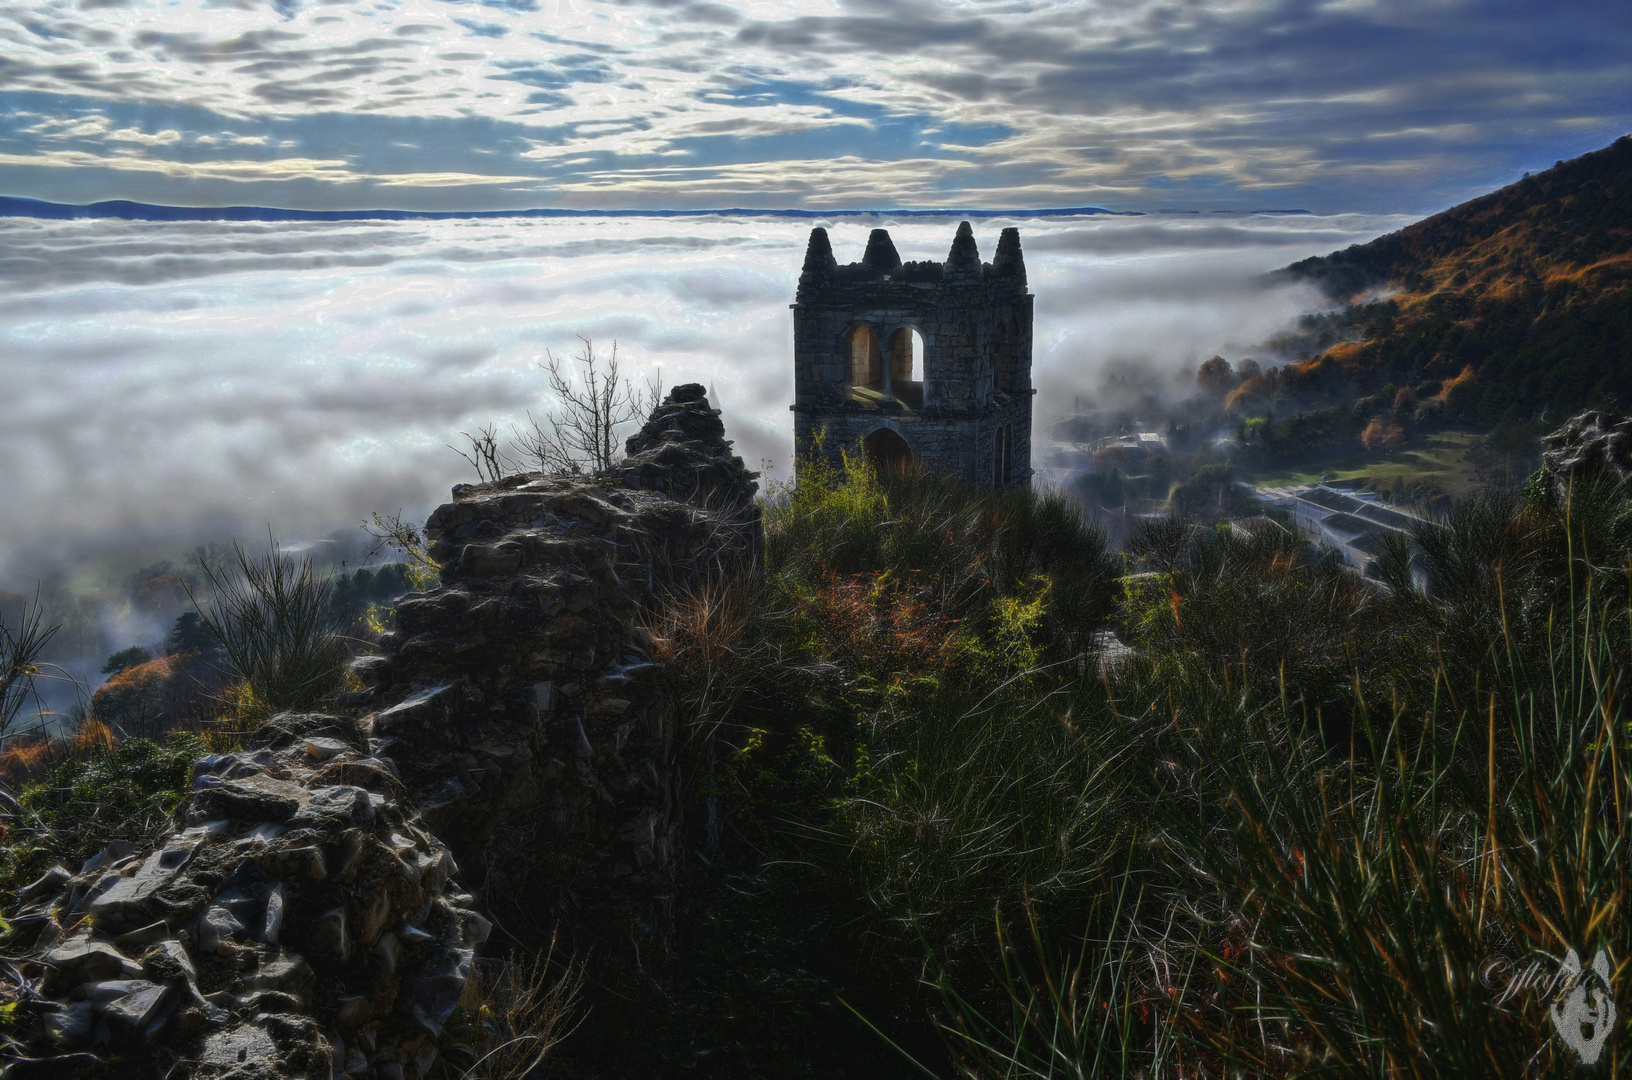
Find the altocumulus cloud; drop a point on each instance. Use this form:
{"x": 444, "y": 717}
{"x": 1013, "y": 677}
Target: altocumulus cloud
{"x": 1328, "y": 104}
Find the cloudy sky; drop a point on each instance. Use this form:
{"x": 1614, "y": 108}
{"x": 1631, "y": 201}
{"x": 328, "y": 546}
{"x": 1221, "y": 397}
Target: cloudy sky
{"x": 169, "y": 383}
{"x": 1330, "y": 105}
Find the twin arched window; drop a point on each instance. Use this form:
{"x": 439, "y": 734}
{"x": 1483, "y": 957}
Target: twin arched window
{"x": 867, "y": 357}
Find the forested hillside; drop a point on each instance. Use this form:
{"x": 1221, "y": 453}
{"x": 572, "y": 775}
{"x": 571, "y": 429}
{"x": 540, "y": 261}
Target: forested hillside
{"x": 1519, "y": 301}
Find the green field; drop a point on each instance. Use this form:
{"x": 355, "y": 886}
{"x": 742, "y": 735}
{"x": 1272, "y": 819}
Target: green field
{"x": 1439, "y": 461}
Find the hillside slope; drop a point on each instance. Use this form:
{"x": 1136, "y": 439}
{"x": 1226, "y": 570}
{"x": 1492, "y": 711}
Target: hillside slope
{"x": 1517, "y": 301}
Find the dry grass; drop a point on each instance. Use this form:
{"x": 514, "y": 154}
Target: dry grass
{"x": 25, "y": 759}
{"x": 701, "y": 634}
{"x": 713, "y": 654}
{"x": 523, "y": 1009}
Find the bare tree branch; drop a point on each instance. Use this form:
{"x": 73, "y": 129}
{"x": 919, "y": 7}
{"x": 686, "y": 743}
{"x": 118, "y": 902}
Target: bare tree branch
{"x": 390, "y": 531}
{"x": 484, "y": 456}
{"x": 584, "y": 436}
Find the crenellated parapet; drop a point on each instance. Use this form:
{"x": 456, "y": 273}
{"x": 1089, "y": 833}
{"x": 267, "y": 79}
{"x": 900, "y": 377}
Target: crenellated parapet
{"x": 881, "y": 273}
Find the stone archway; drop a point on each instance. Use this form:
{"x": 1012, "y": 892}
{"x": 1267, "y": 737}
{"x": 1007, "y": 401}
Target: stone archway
{"x": 887, "y": 450}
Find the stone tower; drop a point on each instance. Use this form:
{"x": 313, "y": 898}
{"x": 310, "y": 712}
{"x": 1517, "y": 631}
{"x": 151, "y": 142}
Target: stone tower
{"x": 964, "y": 405}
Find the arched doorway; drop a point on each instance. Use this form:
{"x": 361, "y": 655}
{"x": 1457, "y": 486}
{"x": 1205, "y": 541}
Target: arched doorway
{"x": 887, "y": 450}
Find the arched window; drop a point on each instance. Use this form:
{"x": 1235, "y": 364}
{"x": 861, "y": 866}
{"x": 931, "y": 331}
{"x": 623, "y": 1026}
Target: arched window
{"x": 906, "y": 356}
{"x": 997, "y": 459}
{"x": 866, "y": 364}
{"x": 1006, "y": 358}
{"x": 907, "y": 366}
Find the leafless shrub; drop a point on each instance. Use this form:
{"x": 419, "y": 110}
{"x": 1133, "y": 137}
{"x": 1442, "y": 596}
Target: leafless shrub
{"x": 583, "y": 437}
{"x": 484, "y": 454}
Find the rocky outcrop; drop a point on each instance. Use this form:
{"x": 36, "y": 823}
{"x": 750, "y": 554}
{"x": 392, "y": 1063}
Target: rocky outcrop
{"x": 522, "y": 706}
{"x": 1590, "y": 444}
{"x": 297, "y": 923}
{"x": 304, "y": 919}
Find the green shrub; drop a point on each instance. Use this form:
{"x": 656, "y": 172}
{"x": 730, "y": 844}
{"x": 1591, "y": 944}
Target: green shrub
{"x": 273, "y": 622}
{"x": 125, "y": 794}
{"x": 958, "y": 551}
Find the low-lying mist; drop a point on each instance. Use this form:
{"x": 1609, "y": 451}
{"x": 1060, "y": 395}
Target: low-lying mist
{"x": 173, "y": 384}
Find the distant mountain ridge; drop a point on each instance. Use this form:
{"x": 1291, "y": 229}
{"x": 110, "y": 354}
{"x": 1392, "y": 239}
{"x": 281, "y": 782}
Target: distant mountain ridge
{"x": 12, "y": 206}
{"x": 1519, "y": 301}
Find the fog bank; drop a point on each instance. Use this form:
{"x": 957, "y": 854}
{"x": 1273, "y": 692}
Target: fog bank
{"x": 170, "y": 383}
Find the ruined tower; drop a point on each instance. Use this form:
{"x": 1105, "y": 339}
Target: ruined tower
{"x": 922, "y": 361}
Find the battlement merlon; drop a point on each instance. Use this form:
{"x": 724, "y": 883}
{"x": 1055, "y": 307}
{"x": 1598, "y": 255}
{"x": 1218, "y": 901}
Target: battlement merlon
{"x": 882, "y": 275}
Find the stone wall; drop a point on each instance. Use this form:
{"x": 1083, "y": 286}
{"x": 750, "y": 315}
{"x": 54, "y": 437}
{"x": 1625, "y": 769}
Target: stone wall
{"x": 526, "y": 714}
{"x": 961, "y": 445}
{"x": 307, "y": 916}
{"x": 299, "y": 922}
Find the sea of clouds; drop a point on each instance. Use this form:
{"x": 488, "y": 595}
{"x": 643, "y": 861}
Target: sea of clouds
{"x": 172, "y": 383}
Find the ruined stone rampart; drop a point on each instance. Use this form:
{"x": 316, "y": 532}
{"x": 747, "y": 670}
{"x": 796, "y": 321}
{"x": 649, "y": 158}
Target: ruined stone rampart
{"x": 299, "y": 922}
{"x": 308, "y": 916}
{"x": 527, "y": 715}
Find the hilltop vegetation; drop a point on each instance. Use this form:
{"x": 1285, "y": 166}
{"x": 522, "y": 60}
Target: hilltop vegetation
{"x": 1030, "y": 806}
{"x": 1461, "y": 339}
{"x": 1513, "y": 303}
{"x": 1279, "y": 837}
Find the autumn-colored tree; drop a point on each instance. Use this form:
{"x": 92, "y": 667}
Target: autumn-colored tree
{"x": 1252, "y": 393}
{"x": 163, "y": 694}
{"x": 1382, "y": 437}
{"x": 1215, "y": 376}
{"x": 1459, "y": 393}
